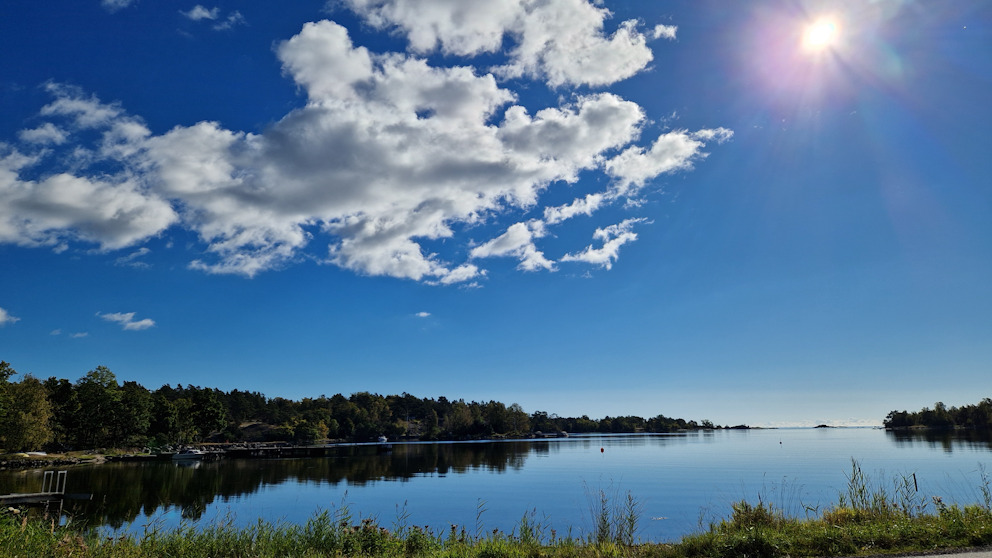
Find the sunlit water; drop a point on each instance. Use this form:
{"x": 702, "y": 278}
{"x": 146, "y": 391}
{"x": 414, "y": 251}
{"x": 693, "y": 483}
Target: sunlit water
{"x": 682, "y": 480}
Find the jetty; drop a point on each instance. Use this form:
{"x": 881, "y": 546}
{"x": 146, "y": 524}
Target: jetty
{"x": 52, "y": 491}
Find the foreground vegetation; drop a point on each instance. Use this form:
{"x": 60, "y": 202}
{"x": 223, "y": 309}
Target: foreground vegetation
{"x": 866, "y": 521}
{"x": 977, "y": 416}
{"x": 96, "y": 411}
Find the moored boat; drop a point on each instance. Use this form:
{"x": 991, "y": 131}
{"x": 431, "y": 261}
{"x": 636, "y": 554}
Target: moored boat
{"x": 189, "y": 454}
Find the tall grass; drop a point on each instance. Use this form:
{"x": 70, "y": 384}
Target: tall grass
{"x": 871, "y": 517}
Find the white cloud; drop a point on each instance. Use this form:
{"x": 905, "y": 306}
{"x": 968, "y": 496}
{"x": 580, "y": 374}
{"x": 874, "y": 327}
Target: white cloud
{"x": 80, "y": 335}
{"x": 579, "y": 206}
{"x": 561, "y": 41}
{"x": 422, "y": 314}
{"x": 613, "y": 237}
{"x": 126, "y": 320}
{"x": 518, "y": 242}
{"x": 56, "y": 332}
{"x": 47, "y": 133}
{"x": 665, "y": 32}
{"x": 115, "y": 5}
{"x": 131, "y": 260}
{"x": 111, "y": 211}
{"x": 233, "y": 19}
{"x": 387, "y": 152}
{"x": 6, "y": 318}
{"x": 671, "y": 152}
{"x": 198, "y": 12}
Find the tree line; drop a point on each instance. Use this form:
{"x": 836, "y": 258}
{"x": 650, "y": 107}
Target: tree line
{"x": 96, "y": 411}
{"x": 969, "y": 416}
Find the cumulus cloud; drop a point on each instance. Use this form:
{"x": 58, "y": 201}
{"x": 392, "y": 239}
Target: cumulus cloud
{"x": 422, "y": 314}
{"x": 613, "y": 237}
{"x": 6, "y": 318}
{"x": 198, "y": 12}
{"x": 388, "y": 152}
{"x": 126, "y": 320}
{"x": 518, "y": 242}
{"x": 113, "y": 212}
{"x": 115, "y": 5}
{"x": 561, "y": 41}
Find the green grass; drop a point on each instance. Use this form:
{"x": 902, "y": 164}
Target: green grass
{"x": 866, "y": 520}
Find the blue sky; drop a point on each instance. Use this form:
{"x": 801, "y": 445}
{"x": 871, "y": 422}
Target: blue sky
{"x": 771, "y": 212}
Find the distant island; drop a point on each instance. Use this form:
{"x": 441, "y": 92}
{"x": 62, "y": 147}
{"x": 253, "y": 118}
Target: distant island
{"x": 977, "y": 417}
{"x": 96, "y": 411}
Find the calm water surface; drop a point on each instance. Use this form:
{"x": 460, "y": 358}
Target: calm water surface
{"x": 684, "y": 480}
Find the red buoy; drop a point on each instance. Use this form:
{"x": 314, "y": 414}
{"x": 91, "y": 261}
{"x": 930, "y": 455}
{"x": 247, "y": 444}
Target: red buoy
{"x": 601, "y": 450}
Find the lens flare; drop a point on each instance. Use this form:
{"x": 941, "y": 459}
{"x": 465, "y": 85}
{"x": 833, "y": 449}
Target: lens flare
{"x": 820, "y": 35}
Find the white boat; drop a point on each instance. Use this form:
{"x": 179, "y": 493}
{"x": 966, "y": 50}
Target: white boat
{"x": 384, "y": 445}
{"x": 189, "y": 454}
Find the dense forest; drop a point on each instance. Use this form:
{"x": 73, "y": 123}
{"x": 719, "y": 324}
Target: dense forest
{"x": 96, "y": 411}
{"x": 969, "y": 416}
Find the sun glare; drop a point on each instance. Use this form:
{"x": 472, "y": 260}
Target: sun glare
{"x": 820, "y": 35}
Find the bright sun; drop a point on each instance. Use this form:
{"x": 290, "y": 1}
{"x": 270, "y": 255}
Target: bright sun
{"x": 820, "y": 35}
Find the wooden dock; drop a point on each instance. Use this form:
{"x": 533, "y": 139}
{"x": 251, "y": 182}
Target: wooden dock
{"x": 40, "y": 498}
{"x": 52, "y": 491}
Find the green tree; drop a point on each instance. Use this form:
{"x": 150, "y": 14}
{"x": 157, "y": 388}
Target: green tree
{"x": 133, "y": 415}
{"x": 6, "y": 371}
{"x": 208, "y": 412}
{"x": 99, "y": 400}
{"x": 25, "y": 424}
{"x": 65, "y": 409}
{"x": 431, "y": 429}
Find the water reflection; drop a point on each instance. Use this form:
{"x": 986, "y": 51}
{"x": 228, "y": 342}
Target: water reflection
{"x": 947, "y": 440}
{"x": 122, "y": 492}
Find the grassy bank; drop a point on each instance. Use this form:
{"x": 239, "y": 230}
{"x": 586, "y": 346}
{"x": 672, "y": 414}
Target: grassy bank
{"x": 866, "y": 520}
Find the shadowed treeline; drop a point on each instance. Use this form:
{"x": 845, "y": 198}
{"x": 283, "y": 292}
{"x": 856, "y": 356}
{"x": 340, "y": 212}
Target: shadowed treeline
{"x": 968, "y": 416}
{"x": 96, "y": 411}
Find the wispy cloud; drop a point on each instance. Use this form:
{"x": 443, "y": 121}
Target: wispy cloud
{"x": 45, "y": 134}
{"x": 79, "y": 335}
{"x": 56, "y": 332}
{"x": 198, "y": 12}
{"x": 665, "y": 32}
{"x": 579, "y": 206}
{"x": 115, "y": 5}
{"x": 518, "y": 242}
{"x": 613, "y": 237}
{"x": 422, "y": 314}
{"x": 130, "y": 260}
{"x": 127, "y": 321}
{"x": 233, "y": 19}
{"x": 6, "y": 318}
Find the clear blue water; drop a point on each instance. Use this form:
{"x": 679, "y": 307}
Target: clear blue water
{"x": 683, "y": 480}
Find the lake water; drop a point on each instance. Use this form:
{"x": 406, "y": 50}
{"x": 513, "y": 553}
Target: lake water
{"x": 683, "y": 480}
